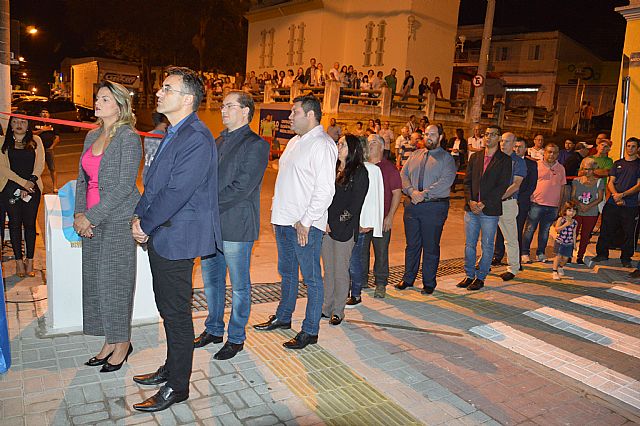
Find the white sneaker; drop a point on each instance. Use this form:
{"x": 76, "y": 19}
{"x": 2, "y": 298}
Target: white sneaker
{"x": 555, "y": 275}
{"x": 542, "y": 258}
{"x": 561, "y": 271}
{"x": 525, "y": 259}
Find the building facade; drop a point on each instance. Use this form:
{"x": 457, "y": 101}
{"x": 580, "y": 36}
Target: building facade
{"x": 630, "y": 67}
{"x": 418, "y": 35}
{"x": 547, "y": 69}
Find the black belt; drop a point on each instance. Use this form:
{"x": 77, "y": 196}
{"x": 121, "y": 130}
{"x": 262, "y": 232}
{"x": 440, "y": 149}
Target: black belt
{"x": 510, "y": 198}
{"x": 434, "y": 200}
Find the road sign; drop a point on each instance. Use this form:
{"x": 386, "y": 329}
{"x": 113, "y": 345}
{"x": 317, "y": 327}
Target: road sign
{"x": 478, "y": 80}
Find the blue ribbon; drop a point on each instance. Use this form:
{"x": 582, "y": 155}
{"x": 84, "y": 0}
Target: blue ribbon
{"x": 67, "y": 195}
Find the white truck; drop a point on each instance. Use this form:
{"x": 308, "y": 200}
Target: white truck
{"x": 86, "y": 73}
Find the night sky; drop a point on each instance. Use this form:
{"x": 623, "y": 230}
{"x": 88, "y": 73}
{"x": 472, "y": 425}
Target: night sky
{"x": 593, "y": 23}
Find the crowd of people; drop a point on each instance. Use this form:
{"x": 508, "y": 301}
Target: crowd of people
{"x": 315, "y": 75}
{"x": 336, "y": 195}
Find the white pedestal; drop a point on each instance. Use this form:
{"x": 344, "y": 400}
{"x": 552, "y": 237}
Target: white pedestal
{"x": 64, "y": 278}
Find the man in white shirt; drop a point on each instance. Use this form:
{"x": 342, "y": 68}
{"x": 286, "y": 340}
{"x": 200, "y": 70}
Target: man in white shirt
{"x": 387, "y": 135}
{"x": 303, "y": 192}
{"x": 334, "y": 74}
{"x": 476, "y": 142}
{"x": 536, "y": 152}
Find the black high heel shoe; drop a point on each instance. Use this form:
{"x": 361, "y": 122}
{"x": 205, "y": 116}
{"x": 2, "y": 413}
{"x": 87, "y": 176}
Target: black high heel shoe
{"x": 95, "y": 361}
{"x": 108, "y": 368}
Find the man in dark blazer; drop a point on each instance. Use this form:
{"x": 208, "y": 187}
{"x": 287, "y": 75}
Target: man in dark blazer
{"x": 242, "y": 159}
{"x": 488, "y": 176}
{"x": 177, "y": 217}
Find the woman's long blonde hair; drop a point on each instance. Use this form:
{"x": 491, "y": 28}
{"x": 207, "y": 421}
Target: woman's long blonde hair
{"x": 123, "y": 100}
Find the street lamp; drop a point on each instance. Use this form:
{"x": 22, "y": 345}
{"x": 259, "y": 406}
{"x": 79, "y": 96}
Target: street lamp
{"x": 460, "y": 44}
{"x": 32, "y": 30}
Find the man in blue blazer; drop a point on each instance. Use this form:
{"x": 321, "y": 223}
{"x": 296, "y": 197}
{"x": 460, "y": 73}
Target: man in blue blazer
{"x": 242, "y": 159}
{"x": 177, "y": 217}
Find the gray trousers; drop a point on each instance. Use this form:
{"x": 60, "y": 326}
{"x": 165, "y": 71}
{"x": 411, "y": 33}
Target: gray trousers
{"x": 381, "y": 254}
{"x": 335, "y": 259}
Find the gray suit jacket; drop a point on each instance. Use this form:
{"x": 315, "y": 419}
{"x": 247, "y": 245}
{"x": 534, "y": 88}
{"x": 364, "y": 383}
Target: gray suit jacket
{"x": 242, "y": 159}
{"x": 116, "y": 178}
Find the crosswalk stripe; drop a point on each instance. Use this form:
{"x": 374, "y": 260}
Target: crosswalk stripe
{"x": 625, "y": 292}
{"x": 581, "y": 369}
{"x": 587, "y": 330}
{"x": 625, "y": 313}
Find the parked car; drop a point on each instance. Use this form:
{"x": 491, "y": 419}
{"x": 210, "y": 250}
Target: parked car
{"x": 602, "y": 121}
{"x": 62, "y": 109}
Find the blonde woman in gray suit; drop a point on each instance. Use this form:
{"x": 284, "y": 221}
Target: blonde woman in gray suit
{"x": 106, "y": 195}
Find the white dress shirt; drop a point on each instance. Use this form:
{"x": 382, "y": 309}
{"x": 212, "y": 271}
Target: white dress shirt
{"x": 306, "y": 180}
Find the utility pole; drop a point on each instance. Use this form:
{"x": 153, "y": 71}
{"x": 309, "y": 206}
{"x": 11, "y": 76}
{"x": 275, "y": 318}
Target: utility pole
{"x": 483, "y": 61}
{"x": 5, "y": 64}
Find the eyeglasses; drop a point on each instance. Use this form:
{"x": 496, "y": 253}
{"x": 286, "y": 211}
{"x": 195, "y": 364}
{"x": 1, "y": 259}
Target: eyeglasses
{"x": 491, "y": 134}
{"x": 227, "y": 106}
{"x": 166, "y": 89}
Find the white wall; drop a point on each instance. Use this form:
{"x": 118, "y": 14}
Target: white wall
{"x": 337, "y": 32}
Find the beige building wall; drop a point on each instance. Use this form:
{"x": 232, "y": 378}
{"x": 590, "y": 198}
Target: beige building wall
{"x": 335, "y": 30}
{"x": 631, "y": 46}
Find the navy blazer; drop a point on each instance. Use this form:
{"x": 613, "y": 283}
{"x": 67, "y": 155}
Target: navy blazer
{"x": 242, "y": 159}
{"x": 529, "y": 183}
{"x": 179, "y": 206}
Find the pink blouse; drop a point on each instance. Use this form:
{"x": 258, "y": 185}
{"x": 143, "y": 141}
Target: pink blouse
{"x": 91, "y": 166}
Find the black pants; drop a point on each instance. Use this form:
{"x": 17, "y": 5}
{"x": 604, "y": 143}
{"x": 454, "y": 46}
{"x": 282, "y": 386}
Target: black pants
{"x": 615, "y": 219}
{"x": 23, "y": 215}
{"x": 172, "y": 288}
{"x": 523, "y": 212}
{"x": 381, "y": 253}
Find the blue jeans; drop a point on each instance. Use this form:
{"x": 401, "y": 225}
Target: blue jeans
{"x": 423, "y": 225}
{"x": 356, "y": 269}
{"x": 236, "y": 258}
{"x": 538, "y": 215}
{"x": 474, "y": 224}
{"x": 291, "y": 257}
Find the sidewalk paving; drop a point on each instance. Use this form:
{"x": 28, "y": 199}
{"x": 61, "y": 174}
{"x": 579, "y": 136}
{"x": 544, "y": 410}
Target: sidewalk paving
{"x": 530, "y": 351}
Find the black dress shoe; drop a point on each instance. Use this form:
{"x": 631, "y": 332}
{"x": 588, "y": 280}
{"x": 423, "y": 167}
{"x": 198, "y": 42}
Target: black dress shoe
{"x": 324, "y": 317}
{"x": 403, "y": 285}
{"x": 427, "y": 290}
{"x": 108, "y": 368}
{"x": 496, "y": 262}
{"x": 160, "y": 376}
{"x": 507, "y": 276}
{"x": 335, "y": 320}
{"x": 95, "y": 361}
{"x": 273, "y": 324}
{"x": 228, "y": 351}
{"x": 476, "y": 285}
{"x": 162, "y": 400}
{"x": 205, "y": 338}
{"x": 626, "y": 263}
{"x": 301, "y": 341}
{"x": 466, "y": 281}
{"x": 599, "y": 258}
{"x": 635, "y": 274}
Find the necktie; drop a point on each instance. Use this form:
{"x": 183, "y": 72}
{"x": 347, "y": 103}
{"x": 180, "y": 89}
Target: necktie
{"x": 423, "y": 165}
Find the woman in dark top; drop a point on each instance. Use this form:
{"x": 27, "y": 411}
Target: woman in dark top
{"x": 21, "y": 164}
{"x": 352, "y": 183}
{"x": 423, "y": 88}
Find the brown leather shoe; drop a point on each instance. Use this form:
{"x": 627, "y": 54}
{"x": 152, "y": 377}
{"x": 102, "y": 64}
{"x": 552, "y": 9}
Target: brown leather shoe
{"x": 162, "y": 400}
{"x": 205, "y": 338}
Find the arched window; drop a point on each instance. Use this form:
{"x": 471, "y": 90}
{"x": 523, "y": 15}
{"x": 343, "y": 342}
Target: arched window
{"x": 368, "y": 41}
{"x": 382, "y": 26}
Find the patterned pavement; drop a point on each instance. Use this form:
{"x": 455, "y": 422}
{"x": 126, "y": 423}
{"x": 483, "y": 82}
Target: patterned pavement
{"x": 530, "y": 351}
